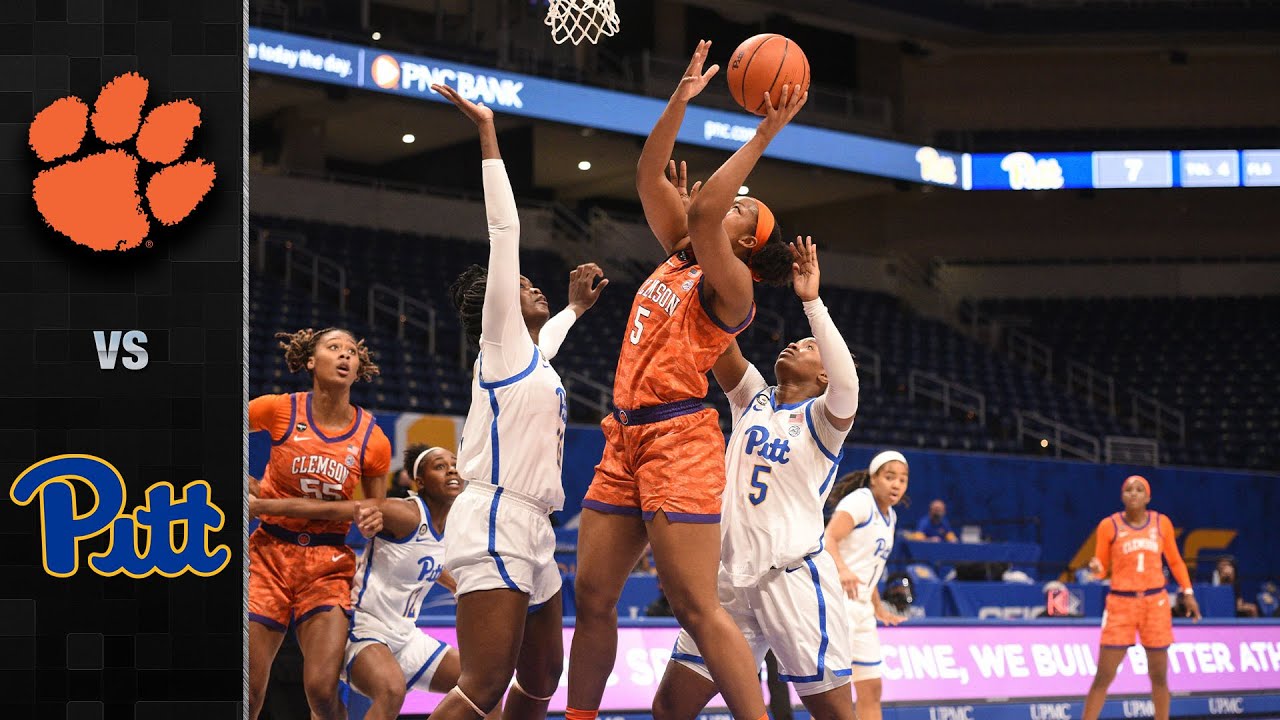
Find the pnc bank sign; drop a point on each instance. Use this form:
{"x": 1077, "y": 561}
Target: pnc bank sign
{"x": 389, "y": 73}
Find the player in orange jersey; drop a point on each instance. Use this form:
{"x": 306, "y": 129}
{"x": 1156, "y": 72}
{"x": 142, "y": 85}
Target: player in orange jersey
{"x": 1129, "y": 546}
{"x": 300, "y": 570}
{"x": 663, "y": 470}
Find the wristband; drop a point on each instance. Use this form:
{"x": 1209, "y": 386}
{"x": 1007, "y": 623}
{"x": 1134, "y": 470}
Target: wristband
{"x": 1189, "y": 592}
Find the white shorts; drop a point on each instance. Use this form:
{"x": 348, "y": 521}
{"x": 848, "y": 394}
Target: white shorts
{"x": 501, "y": 539}
{"x": 864, "y": 650}
{"x": 418, "y": 654}
{"x": 798, "y": 613}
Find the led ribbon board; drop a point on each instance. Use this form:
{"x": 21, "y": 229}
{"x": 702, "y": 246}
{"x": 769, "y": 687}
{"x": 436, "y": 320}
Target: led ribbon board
{"x": 411, "y": 76}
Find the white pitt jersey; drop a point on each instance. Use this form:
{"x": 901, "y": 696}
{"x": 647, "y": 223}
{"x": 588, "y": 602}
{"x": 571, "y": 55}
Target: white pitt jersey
{"x": 393, "y": 574}
{"x": 780, "y": 461}
{"x": 866, "y": 550}
{"x": 514, "y": 434}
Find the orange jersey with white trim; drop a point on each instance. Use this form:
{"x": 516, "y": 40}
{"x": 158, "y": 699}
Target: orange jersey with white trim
{"x": 672, "y": 339}
{"x": 306, "y": 462}
{"x": 1131, "y": 555}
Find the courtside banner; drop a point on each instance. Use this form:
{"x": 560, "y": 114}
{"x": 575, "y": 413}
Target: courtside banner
{"x": 122, "y": 203}
{"x": 954, "y": 663}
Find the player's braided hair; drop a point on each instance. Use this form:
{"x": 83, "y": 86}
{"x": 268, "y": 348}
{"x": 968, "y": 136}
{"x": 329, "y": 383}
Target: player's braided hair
{"x": 846, "y": 484}
{"x": 467, "y": 292}
{"x": 855, "y": 480}
{"x": 772, "y": 264}
{"x": 301, "y": 345}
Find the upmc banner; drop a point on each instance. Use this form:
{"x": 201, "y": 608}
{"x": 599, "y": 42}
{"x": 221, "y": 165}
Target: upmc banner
{"x": 970, "y": 662}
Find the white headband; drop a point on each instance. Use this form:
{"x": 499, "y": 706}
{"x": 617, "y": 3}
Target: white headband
{"x": 421, "y": 457}
{"x": 878, "y": 461}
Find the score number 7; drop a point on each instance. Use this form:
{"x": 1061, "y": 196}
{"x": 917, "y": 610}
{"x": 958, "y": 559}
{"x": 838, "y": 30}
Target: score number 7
{"x": 1134, "y": 166}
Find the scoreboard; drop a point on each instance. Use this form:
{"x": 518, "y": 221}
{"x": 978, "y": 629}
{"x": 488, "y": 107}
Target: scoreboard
{"x": 1121, "y": 169}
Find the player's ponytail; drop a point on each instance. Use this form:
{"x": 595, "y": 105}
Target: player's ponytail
{"x": 772, "y": 263}
{"x": 467, "y": 293}
{"x": 847, "y": 484}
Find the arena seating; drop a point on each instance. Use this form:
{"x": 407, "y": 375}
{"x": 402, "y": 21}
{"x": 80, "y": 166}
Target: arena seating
{"x": 1213, "y": 358}
{"x": 414, "y": 379}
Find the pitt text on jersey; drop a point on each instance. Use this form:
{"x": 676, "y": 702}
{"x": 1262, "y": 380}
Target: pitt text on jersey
{"x": 774, "y": 450}
{"x": 141, "y": 543}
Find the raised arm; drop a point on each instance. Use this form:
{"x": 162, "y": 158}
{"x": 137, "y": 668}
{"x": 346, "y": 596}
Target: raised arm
{"x": 729, "y": 279}
{"x": 663, "y": 208}
{"x": 504, "y": 337}
{"x": 583, "y": 293}
{"x": 730, "y": 367}
{"x": 840, "y": 402}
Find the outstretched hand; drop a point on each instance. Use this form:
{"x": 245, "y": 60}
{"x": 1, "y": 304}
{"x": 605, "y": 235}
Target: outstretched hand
{"x": 368, "y": 518}
{"x": 695, "y": 79}
{"x": 679, "y": 178}
{"x": 775, "y": 118}
{"x": 583, "y": 290}
{"x": 478, "y": 113}
{"x": 804, "y": 268}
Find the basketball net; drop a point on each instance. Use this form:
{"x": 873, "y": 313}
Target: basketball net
{"x": 578, "y": 20}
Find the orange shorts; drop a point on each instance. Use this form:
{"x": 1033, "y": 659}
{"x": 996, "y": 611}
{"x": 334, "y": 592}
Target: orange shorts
{"x": 676, "y": 466}
{"x": 291, "y": 582}
{"x": 1147, "y": 616}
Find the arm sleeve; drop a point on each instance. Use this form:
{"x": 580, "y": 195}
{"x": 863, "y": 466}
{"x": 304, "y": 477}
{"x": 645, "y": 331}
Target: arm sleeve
{"x": 857, "y": 505}
{"x": 841, "y": 397}
{"x": 1171, "y": 554}
{"x": 1103, "y": 538}
{"x": 264, "y": 414}
{"x": 749, "y": 386}
{"x": 554, "y": 333}
{"x": 504, "y": 339}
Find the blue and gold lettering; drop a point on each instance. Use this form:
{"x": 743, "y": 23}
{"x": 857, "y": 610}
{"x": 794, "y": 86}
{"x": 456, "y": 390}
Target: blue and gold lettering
{"x": 129, "y": 552}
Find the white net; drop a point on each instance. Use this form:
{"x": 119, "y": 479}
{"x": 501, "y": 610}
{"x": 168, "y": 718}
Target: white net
{"x": 578, "y": 20}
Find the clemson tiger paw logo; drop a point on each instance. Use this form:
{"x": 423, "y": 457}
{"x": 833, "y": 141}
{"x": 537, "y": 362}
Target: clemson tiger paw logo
{"x": 95, "y": 200}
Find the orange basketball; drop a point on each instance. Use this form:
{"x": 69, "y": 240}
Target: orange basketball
{"x": 765, "y": 63}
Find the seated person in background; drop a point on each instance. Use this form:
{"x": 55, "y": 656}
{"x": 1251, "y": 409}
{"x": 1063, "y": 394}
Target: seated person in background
{"x": 1226, "y": 574}
{"x": 934, "y": 526}
{"x": 400, "y": 484}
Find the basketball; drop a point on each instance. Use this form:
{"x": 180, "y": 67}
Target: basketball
{"x": 764, "y": 63}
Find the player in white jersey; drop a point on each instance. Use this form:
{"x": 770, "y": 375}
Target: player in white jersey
{"x": 501, "y": 548}
{"x": 860, "y": 538}
{"x": 386, "y": 655}
{"x": 774, "y": 580}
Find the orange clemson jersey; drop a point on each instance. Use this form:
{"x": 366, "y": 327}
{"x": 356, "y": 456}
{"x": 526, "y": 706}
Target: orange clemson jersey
{"x": 673, "y": 339}
{"x": 1131, "y": 555}
{"x": 306, "y": 462}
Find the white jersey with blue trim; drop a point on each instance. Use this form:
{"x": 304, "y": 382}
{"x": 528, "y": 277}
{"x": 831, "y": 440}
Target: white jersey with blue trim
{"x": 866, "y": 550}
{"x": 514, "y": 433}
{"x": 781, "y": 461}
{"x": 394, "y": 574}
